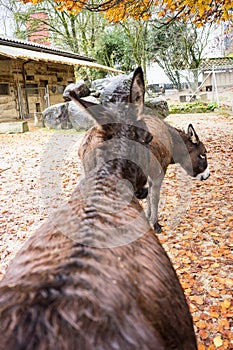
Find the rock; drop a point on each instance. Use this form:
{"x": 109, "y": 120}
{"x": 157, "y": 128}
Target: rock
{"x": 79, "y": 118}
{"x": 158, "y": 106}
{"x": 117, "y": 89}
{"x": 68, "y": 115}
{"x": 98, "y": 84}
{"x": 91, "y": 99}
{"x": 81, "y": 89}
{"x": 56, "y": 117}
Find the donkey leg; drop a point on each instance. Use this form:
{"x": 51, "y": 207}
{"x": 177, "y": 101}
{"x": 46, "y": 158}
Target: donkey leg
{"x": 142, "y": 193}
{"x": 153, "y": 200}
{"x": 154, "y": 209}
{"x": 148, "y": 201}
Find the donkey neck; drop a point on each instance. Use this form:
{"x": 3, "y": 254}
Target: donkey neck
{"x": 122, "y": 169}
{"x": 122, "y": 157}
{"x": 103, "y": 209}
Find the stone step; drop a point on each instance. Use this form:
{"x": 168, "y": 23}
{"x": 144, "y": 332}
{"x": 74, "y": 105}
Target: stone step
{"x": 13, "y": 127}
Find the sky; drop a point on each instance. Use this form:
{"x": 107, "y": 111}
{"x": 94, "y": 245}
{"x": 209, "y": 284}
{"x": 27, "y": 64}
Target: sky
{"x": 6, "y": 22}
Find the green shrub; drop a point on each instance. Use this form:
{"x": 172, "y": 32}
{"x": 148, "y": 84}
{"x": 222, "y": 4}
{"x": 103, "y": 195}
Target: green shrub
{"x": 193, "y": 107}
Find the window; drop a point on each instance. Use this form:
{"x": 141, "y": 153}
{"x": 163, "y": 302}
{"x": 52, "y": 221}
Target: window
{"x": 4, "y": 89}
{"x": 32, "y": 89}
{"x": 30, "y": 77}
{"x": 38, "y": 109}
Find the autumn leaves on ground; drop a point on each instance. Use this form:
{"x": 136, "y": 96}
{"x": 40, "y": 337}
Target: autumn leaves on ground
{"x": 39, "y": 170}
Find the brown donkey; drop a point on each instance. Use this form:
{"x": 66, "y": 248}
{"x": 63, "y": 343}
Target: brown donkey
{"x": 94, "y": 276}
{"x": 169, "y": 145}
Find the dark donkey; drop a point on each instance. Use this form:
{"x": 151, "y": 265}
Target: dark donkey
{"x": 63, "y": 292}
{"x": 169, "y": 145}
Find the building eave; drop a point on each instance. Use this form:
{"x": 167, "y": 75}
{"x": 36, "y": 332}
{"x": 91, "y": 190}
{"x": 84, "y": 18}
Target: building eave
{"x": 15, "y": 50}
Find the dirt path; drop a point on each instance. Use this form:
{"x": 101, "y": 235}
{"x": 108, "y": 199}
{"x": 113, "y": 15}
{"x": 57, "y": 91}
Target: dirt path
{"x": 41, "y": 169}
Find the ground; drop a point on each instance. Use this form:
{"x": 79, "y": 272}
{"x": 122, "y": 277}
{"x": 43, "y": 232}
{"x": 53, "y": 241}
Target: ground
{"x": 39, "y": 170}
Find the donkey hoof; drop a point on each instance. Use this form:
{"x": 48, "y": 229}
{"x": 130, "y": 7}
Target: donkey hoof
{"x": 142, "y": 193}
{"x": 157, "y": 227}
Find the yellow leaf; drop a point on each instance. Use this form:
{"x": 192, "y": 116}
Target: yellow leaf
{"x": 201, "y": 324}
{"x": 229, "y": 282}
{"x": 226, "y": 304}
{"x": 218, "y": 341}
{"x": 213, "y": 293}
{"x": 203, "y": 334}
{"x": 215, "y": 265}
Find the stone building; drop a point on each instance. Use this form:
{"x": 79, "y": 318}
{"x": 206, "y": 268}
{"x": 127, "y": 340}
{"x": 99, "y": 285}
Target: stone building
{"x": 33, "y": 77}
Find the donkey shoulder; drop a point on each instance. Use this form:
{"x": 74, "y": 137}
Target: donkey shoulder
{"x": 161, "y": 145}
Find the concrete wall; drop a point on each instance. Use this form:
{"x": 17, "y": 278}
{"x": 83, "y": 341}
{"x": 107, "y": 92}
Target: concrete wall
{"x": 224, "y": 80}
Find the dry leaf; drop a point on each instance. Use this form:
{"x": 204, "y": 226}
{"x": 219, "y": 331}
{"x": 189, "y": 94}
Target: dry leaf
{"x": 218, "y": 341}
{"x": 197, "y": 299}
{"x": 198, "y": 243}
{"x": 203, "y": 334}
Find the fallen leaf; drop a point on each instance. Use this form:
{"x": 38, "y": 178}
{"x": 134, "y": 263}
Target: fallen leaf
{"x": 218, "y": 341}
{"x": 214, "y": 294}
{"x": 203, "y": 334}
{"x": 201, "y": 324}
{"x": 197, "y": 299}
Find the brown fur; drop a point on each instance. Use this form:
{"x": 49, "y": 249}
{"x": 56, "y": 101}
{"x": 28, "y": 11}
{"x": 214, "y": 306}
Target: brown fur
{"x": 169, "y": 145}
{"x": 62, "y": 295}
{"x": 94, "y": 276}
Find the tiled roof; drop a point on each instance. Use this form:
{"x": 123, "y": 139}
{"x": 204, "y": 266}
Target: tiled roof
{"x": 20, "y": 49}
{"x": 30, "y": 45}
{"x": 219, "y": 62}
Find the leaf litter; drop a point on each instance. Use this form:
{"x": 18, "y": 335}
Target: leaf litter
{"x": 37, "y": 174}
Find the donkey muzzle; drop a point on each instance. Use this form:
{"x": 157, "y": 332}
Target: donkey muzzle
{"x": 204, "y": 175}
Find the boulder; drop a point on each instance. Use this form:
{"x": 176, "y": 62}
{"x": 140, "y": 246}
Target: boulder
{"x": 79, "y": 118}
{"x": 80, "y": 88}
{"x": 117, "y": 89}
{"x": 68, "y": 115}
{"x": 56, "y": 117}
{"x": 98, "y": 84}
{"x": 159, "y": 107}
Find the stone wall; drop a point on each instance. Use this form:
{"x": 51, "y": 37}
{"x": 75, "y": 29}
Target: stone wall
{"x": 39, "y": 76}
{"x": 8, "y": 108}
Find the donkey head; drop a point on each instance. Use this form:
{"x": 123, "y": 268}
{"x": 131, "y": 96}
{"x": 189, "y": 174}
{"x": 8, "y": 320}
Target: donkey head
{"x": 124, "y": 132}
{"x": 197, "y": 153}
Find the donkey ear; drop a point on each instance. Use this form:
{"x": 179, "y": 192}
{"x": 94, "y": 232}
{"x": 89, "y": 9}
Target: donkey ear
{"x": 93, "y": 109}
{"x": 137, "y": 90}
{"x": 192, "y": 134}
{"x": 83, "y": 104}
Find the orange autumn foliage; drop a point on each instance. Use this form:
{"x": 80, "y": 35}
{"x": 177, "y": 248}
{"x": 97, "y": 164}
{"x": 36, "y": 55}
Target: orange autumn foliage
{"x": 199, "y": 11}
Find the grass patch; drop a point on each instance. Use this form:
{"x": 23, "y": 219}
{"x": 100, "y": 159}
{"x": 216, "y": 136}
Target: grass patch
{"x": 193, "y": 107}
